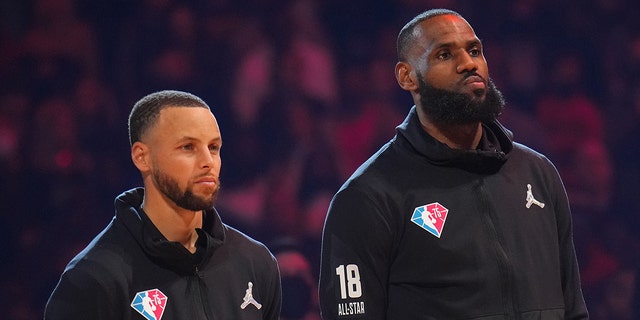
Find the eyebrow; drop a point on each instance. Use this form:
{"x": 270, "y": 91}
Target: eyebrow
{"x": 451, "y": 44}
{"x": 217, "y": 138}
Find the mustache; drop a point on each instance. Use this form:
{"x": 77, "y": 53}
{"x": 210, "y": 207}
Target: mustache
{"x": 469, "y": 74}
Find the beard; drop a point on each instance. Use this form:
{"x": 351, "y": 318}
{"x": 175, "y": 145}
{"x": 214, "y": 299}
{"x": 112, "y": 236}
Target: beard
{"x": 187, "y": 199}
{"x": 446, "y": 107}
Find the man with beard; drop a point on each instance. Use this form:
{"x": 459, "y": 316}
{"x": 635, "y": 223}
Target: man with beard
{"x": 166, "y": 253}
{"x": 450, "y": 219}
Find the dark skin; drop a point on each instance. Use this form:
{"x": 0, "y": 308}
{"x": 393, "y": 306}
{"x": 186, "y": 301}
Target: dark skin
{"x": 446, "y": 51}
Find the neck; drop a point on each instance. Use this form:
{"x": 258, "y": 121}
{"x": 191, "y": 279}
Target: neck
{"x": 465, "y": 136}
{"x": 175, "y": 224}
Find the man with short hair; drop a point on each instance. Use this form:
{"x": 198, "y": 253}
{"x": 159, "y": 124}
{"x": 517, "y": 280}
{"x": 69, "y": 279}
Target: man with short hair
{"x": 451, "y": 219}
{"x": 167, "y": 254}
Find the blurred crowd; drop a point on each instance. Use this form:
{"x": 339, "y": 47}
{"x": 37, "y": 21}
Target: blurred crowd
{"x": 304, "y": 92}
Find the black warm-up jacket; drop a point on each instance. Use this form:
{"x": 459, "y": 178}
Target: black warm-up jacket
{"x": 130, "y": 271}
{"x": 422, "y": 231}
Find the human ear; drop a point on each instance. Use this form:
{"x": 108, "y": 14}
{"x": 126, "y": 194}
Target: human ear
{"x": 140, "y": 156}
{"x": 405, "y": 76}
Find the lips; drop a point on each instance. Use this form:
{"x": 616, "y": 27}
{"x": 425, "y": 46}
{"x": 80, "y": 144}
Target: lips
{"x": 473, "y": 80}
{"x": 475, "y": 83}
{"x": 207, "y": 180}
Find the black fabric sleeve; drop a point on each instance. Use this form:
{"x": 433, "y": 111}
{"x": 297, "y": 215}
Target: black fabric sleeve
{"x": 575, "y": 307}
{"x": 356, "y": 253}
{"x": 79, "y": 295}
{"x": 272, "y": 308}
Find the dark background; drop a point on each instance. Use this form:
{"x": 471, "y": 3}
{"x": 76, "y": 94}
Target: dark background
{"x": 304, "y": 92}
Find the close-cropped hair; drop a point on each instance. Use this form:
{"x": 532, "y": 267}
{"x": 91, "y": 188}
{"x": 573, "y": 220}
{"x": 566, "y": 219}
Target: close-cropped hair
{"x": 406, "y": 35}
{"x": 146, "y": 111}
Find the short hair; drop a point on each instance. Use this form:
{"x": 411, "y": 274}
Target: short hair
{"x": 146, "y": 111}
{"x": 405, "y": 37}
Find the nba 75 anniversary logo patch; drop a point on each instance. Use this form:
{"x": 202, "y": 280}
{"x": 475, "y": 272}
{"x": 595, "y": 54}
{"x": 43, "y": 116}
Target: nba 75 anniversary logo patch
{"x": 150, "y": 304}
{"x": 430, "y": 217}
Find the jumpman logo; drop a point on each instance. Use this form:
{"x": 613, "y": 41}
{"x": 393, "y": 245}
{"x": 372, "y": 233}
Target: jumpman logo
{"x": 248, "y": 298}
{"x": 531, "y": 200}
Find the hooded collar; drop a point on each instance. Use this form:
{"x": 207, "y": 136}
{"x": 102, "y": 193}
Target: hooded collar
{"x": 170, "y": 254}
{"x": 491, "y": 154}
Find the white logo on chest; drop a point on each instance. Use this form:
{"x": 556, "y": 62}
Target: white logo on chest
{"x": 248, "y": 298}
{"x": 531, "y": 200}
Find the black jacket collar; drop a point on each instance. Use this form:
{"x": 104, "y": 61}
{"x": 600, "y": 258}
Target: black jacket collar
{"x": 491, "y": 154}
{"x": 168, "y": 253}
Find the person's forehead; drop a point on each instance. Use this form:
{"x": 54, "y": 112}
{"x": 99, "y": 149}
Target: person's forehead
{"x": 180, "y": 112}
{"x": 178, "y": 120}
{"x": 444, "y": 29}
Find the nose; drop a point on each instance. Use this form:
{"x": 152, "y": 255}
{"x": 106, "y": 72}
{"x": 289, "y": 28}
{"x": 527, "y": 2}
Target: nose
{"x": 466, "y": 63}
{"x": 208, "y": 159}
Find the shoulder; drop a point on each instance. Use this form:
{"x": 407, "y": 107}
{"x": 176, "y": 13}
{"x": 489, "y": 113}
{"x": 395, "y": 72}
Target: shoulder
{"x": 522, "y": 152}
{"x": 366, "y": 199}
{"x": 376, "y": 173}
{"x": 106, "y": 259}
{"x": 245, "y": 246}
{"x": 240, "y": 254}
{"x": 91, "y": 282}
{"x": 525, "y": 159}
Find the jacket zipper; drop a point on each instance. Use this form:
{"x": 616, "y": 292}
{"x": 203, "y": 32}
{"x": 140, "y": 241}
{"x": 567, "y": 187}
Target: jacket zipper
{"x": 504, "y": 263}
{"x": 198, "y": 296}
